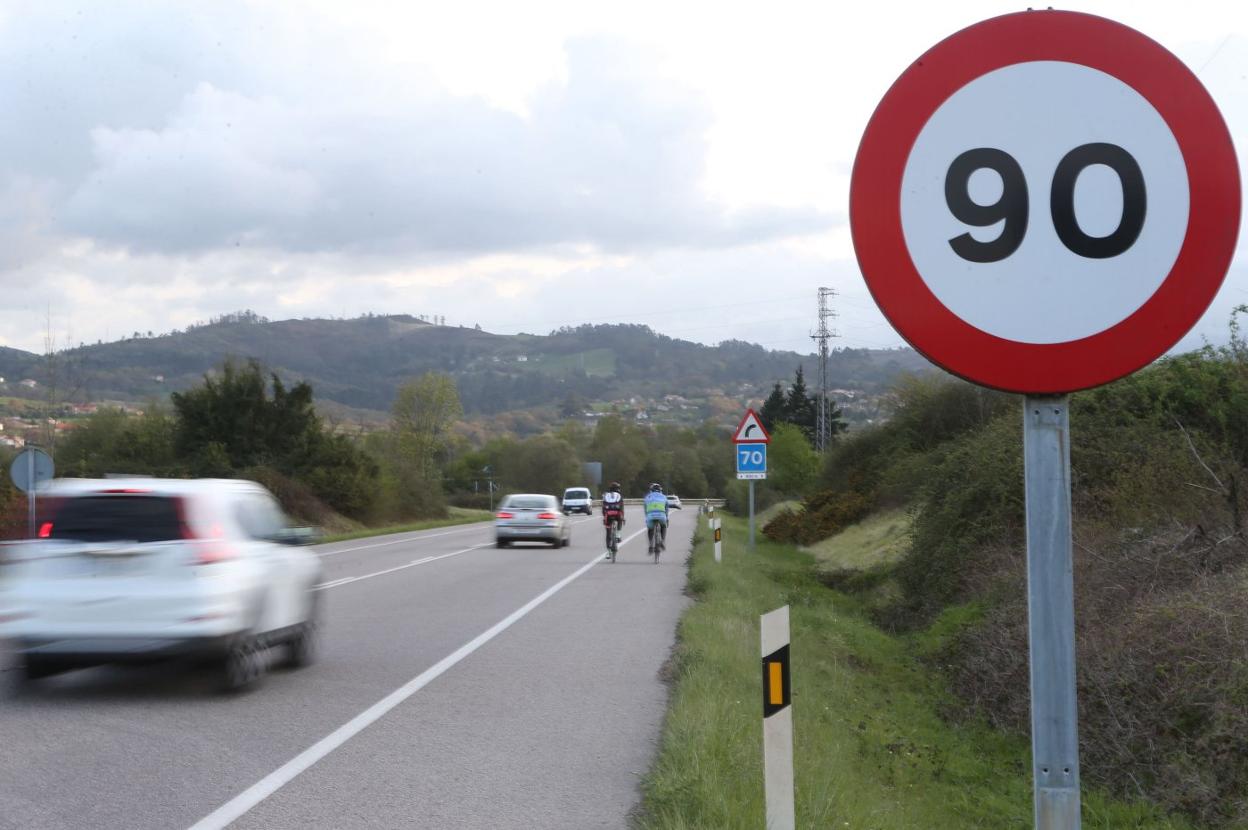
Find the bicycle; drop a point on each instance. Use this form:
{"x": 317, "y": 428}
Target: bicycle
{"x": 613, "y": 538}
{"x": 657, "y": 539}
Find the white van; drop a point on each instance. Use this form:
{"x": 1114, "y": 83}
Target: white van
{"x": 578, "y": 500}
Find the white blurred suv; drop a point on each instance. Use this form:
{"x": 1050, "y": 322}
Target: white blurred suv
{"x": 133, "y": 570}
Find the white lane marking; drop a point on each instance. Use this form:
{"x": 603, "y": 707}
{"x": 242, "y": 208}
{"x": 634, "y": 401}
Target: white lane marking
{"x": 242, "y": 803}
{"x": 347, "y": 580}
{"x": 406, "y": 538}
{"x": 334, "y": 583}
{"x": 409, "y": 538}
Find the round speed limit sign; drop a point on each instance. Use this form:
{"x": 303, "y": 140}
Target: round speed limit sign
{"x": 1045, "y": 201}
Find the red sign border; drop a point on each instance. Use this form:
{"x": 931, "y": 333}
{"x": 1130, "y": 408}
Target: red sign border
{"x": 1184, "y": 295}
{"x": 766, "y": 439}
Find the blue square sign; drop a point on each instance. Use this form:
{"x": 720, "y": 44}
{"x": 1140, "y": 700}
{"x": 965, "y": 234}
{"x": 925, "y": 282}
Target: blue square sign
{"x": 751, "y": 461}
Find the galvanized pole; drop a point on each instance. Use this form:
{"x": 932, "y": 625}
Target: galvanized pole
{"x": 1051, "y": 612}
{"x": 30, "y": 490}
{"x": 751, "y": 514}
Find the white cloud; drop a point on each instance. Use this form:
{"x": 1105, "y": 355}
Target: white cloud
{"x": 492, "y": 162}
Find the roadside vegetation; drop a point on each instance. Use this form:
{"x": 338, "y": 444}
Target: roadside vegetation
{"x": 874, "y": 744}
{"x": 455, "y": 516}
{"x": 243, "y": 421}
{"x": 1160, "y": 467}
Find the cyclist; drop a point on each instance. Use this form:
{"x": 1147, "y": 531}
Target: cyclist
{"x": 656, "y": 507}
{"x": 612, "y": 512}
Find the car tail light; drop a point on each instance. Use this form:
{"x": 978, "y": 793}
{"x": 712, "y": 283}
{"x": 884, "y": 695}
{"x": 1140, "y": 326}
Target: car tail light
{"x": 505, "y": 515}
{"x": 45, "y": 530}
{"x": 547, "y": 516}
{"x": 208, "y": 550}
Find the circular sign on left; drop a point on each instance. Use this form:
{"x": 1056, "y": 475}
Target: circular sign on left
{"x": 31, "y": 468}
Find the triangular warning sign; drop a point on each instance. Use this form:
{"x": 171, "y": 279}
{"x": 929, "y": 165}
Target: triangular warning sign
{"x": 750, "y": 430}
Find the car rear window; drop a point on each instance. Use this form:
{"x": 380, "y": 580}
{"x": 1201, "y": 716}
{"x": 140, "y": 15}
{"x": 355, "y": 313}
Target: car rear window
{"x": 117, "y": 519}
{"x": 576, "y": 494}
{"x": 530, "y": 502}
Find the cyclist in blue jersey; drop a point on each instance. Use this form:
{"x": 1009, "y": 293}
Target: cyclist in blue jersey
{"x": 656, "y": 509}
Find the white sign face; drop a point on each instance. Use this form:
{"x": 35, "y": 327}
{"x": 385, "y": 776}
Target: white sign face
{"x": 992, "y": 180}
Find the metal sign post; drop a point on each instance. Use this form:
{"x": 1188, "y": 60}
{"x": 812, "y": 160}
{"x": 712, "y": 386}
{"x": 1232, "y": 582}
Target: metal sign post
{"x": 1051, "y": 612}
{"x": 30, "y": 492}
{"x": 751, "y": 514}
{"x": 28, "y": 471}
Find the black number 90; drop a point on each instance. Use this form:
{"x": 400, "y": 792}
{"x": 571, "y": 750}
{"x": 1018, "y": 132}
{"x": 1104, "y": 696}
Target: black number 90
{"x": 1013, "y": 208}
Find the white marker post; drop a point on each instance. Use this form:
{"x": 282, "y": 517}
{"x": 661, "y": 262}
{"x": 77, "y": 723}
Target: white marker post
{"x": 715, "y": 523}
{"x": 777, "y": 721}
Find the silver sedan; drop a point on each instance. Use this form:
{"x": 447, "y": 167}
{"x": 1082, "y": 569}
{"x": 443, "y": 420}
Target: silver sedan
{"x": 530, "y": 517}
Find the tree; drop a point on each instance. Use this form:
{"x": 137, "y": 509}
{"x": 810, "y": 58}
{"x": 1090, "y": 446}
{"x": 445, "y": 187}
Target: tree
{"x": 424, "y": 411}
{"x": 799, "y": 406}
{"x": 110, "y": 441}
{"x": 233, "y": 409}
{"x": 793, "y": 461}
{"x": 232, "y": 425}
{"x": 623, "y": 451}
{"x": 542, "y": 464}
{"x": 775, "y": 408}
{"x": 687, "y": 478}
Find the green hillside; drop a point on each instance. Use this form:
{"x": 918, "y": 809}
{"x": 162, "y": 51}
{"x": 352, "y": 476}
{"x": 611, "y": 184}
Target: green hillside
{"x": 359, "y": 363}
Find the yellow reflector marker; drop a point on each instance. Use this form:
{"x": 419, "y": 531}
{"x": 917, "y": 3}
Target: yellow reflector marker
{"x": 775, "y": 683}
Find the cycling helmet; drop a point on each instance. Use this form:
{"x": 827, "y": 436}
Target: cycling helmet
{"x": 614, "y": 487}
{"x": 656, "y": 488}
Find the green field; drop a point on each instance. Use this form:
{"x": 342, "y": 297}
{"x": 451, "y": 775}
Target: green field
{"x": 872, "y": 749}
{"x": 595, "y": 362}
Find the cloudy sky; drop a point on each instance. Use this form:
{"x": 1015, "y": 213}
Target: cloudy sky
{"x": 518, "y": 165}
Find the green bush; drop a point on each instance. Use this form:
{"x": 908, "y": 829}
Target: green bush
{"x": 821, "y": 516}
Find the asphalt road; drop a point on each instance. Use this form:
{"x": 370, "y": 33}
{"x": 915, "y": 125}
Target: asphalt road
{"x": 458, "y": 686}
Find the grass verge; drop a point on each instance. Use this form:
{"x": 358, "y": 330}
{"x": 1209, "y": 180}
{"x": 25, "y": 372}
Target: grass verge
{"x": 459, "y": 516}
{"x": 880, "y": 540}
{"x": 871, "y": 747}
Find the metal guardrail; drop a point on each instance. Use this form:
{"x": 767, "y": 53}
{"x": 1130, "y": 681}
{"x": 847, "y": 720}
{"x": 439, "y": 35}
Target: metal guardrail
{"x": 691, "y": 502}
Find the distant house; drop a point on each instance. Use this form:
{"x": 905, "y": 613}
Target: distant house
{"x": 28, "y": 383}
{"x": 158, "y": 378}
{"x": 523, "y": 358}
{"x": 642, "y": 415}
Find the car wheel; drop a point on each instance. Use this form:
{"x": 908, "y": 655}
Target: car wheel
{"x": 301, "y": 647}
{"x": 501, "y": 543}
{"x": 243, "y": 664}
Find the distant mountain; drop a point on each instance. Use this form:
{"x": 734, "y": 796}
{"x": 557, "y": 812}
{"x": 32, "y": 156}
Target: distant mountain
{"x": 360, "y": 363}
